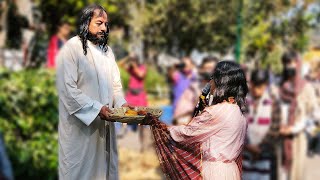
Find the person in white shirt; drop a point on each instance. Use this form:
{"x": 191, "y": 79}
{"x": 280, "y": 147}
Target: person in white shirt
{"x": 298, "y": 106}
{"x": 89, "y": 85}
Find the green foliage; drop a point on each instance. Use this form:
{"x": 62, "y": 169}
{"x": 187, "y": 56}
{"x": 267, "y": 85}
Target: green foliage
{"x": 271, "y": 27}
{"x": 152, "y": 80}
{"x": 54, "y": 11}
{"x": 124, "y": 78}
{"x": 178, "y": 27}
{"x": 181, "y": 26}
{"x": 29, "y": 121}
{"x": 273, "y": 59}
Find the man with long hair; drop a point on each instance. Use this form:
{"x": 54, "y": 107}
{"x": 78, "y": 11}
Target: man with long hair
{"x": 89, "y": 85}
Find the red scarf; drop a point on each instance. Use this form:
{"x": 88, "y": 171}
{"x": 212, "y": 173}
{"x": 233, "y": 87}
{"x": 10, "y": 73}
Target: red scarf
{"x": 52, "y": 52}
{"x": 289, "y": 93}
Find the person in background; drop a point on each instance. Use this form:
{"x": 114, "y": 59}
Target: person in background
{"x": 313, "y": 132}
{"x": 136, "y": 94}
{"x": 89, "y": 86}
{"x": 181, "y": 78}
{"x": 189, "y": 98}
{"x": 261, "y": 155}
{"x": 56, "y": 42}
{"x": 298, "y": 106}
{"x": 5, "y": 165}
{"x": 15, "y": 24}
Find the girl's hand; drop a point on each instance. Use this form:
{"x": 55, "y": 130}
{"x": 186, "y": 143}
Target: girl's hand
{"x": 149, "y": 119}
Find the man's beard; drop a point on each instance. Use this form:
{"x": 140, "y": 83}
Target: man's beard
{"x": 95, "y": 39}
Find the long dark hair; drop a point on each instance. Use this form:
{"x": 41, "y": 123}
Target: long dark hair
{"x": 230, "y": 81}
{"x": 287, "y": 58}
{"x": 83, "y": 24}
{"x": 259, "y": 77}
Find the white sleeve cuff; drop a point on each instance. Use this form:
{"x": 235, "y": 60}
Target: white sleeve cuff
{"x": 89, "y": 112}
{"x": 119, "y": 101}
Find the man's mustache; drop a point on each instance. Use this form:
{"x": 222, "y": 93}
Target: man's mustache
{"x": 98, "y": 38}
{"x": 102, "y": 33}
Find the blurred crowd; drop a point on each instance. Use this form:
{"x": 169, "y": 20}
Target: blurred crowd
{"x": 24, "y": 41}
{"x": 282, "y": 111}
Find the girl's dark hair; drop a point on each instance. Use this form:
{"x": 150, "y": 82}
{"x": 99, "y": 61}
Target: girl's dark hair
{"x": 209, "y": 59}
{"x": 259, "y": 77}
{"x": 83, "y": 25}
{"x": 288, "y": 57}
{"x": 63, "y": 22}
{"x": 230, "y": 81}
{"x": 134, "y": 58}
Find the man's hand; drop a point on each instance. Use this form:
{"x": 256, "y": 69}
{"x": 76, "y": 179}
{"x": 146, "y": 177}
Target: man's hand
{"x": 105, "y": 113}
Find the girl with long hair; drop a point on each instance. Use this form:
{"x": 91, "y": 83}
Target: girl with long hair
{"x": 210, "y": 146}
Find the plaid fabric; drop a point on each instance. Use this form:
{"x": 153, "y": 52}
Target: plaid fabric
{"x": 177, "y": 160}
{"x": 289, "y": 93}
{"x": 272, "y": 138}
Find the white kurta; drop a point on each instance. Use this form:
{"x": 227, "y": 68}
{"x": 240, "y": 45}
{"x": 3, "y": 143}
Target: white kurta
{"x": 87, "y": 144}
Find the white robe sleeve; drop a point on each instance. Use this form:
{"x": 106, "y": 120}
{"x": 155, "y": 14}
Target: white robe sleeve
{"x": 313, "y": 115}
{"x": 298, "y": 127}
{"x": 118, "y": 97}
{"x": 76, "y": 102}
{"x": 89, "y": 112}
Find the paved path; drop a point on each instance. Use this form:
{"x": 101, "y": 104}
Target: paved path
{"x": 313, "y": 168}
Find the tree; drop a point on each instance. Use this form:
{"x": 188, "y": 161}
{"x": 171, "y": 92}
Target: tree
{"x": 271, "y": 27}
{"x": 54, "y": 11}
{"x": 178, "y": 27}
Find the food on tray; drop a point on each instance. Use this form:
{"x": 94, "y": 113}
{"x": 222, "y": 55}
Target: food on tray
{"x": 133, "y": 115}
{"x": 131, "y": 112}
{"x": 142, "y": 112}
